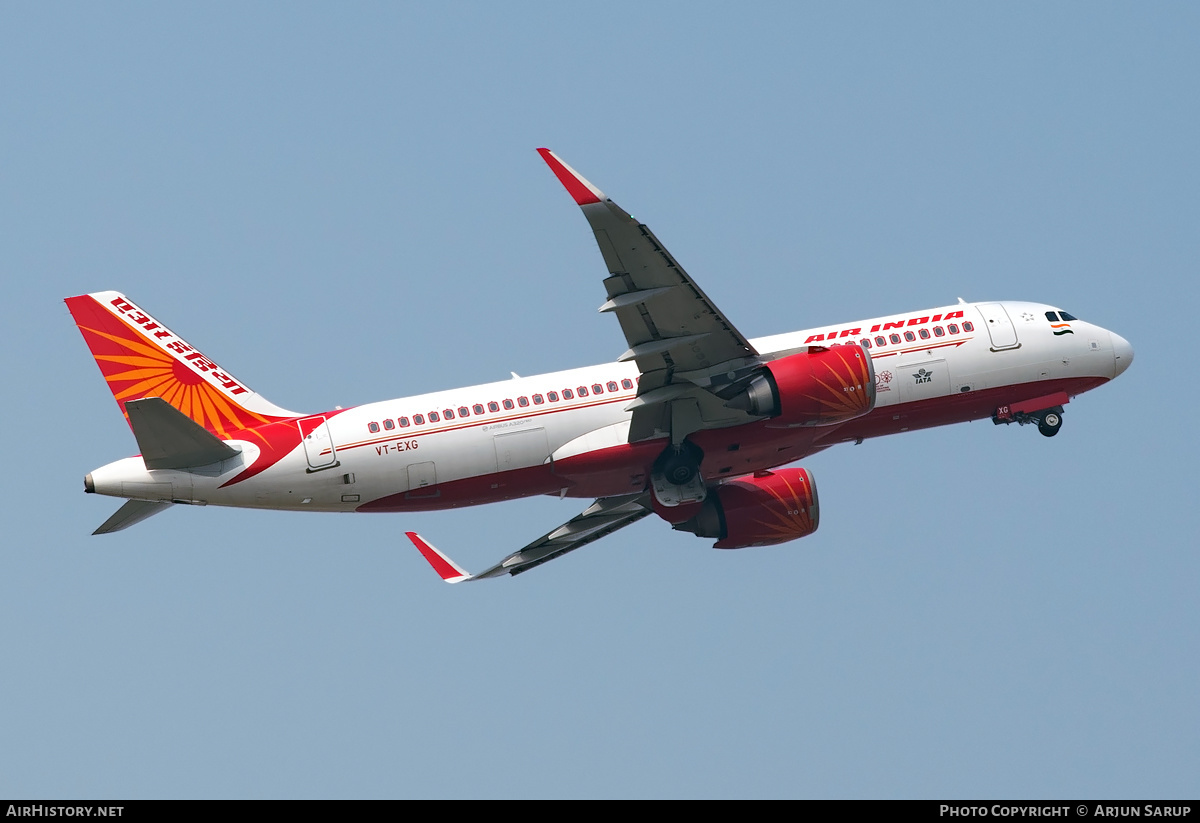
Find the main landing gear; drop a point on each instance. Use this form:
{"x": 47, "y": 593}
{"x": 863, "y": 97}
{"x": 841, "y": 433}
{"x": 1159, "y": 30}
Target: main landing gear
{"x": 676, "y": 478}
{"x": 1049, "y": 421}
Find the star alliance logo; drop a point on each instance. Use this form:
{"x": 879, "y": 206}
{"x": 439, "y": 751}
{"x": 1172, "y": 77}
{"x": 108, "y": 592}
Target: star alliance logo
{"x": 924, "y": 376}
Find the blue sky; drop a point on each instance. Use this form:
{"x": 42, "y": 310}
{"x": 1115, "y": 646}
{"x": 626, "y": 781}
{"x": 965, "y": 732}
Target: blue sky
{"x": 343, "y": 204}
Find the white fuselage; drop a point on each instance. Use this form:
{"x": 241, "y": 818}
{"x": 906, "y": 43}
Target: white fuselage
{"x": 962, "y": 362}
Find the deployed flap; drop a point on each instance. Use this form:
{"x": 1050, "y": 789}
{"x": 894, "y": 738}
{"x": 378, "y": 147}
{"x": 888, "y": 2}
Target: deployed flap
{"x": 134, "y": 511}
{"x": 170, "y": 440}
{"x": 601, "y": 518}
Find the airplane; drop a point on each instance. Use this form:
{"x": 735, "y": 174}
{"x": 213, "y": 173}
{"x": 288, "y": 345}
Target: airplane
{"x": 694, "y": 422}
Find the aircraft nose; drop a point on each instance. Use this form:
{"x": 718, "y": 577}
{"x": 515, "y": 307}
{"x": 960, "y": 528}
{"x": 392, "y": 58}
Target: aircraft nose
{"x": 1122, "y": 353}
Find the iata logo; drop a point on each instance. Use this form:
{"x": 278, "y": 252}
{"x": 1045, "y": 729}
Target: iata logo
{"x": 923, "y": 376}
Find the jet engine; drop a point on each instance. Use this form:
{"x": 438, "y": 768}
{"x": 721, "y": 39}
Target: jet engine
{"x": 819, "y": 387}
{"x": 758, "y": 510}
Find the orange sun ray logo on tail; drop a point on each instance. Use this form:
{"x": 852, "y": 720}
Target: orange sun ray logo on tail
{"x": 140, "y": 357}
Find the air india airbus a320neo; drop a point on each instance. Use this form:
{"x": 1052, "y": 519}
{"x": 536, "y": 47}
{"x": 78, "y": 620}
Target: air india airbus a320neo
{"x": 691, "y": 423}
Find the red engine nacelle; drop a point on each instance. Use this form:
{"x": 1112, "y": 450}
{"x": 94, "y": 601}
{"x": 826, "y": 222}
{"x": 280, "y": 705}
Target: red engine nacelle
{"x": 767, "y": 508}
{"x": 819, "y": 387}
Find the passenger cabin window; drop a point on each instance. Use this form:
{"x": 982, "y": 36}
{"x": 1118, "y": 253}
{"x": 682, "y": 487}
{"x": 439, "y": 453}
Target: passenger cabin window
{"x": 582, "y": 391}
{"x": 448, "y": 414}
{"x": 968, "y": 326}
{"x": 388, "y": 424}
{"x": 522, "y": 401}
{"x": 627, "y": 384}
{"x": 909, "y": 336}
{"x": 463, "y": 411}
{"x": 493, "y": 406}
{"x": 419, "y": 419}
{"x": 552, "y": 396}
{"x": 372, "y": 427}
{"x": 881, "y": 340}
{"x": 433, "y": 417}
{"x": 612, "y": 385}
{"x": 404, "y": 422}
{"x": 924, "y": 333}
{"x": 567, "y": 394}
{"x": 938, "y": 331}
{"x": 508, "y": 404}
{"x": 895, "y": 338}
{"x": 952, "y": 328}
{"x": 538, "y": 400}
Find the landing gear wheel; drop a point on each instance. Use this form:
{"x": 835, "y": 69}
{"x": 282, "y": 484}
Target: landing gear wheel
{"x": 1050, "y": 423}
{"x": 679, "y": 468}
{"x": 680, "y": 464}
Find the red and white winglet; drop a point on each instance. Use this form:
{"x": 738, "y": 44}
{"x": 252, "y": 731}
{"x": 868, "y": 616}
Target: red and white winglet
{"x": 579, "y": 188}
{"x": 446, "y": 568}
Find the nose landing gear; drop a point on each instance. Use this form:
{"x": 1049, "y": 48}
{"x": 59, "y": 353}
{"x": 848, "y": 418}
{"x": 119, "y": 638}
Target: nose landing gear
{"x": 1049, "y": 421}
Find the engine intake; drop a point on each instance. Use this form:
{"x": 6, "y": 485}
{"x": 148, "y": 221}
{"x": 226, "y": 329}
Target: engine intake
{"x": 761, "y": 510}
{"x": 820, "y": 387}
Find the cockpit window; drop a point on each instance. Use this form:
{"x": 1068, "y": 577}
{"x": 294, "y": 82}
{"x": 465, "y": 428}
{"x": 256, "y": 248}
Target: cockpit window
{"x": 1052, "y": 316}
{"x": 1066, "y": 316}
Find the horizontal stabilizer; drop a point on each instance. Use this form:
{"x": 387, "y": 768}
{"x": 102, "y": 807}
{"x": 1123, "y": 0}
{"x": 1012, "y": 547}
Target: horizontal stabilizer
{"x": 134, "y": 511}
{"x": 169, "y": 439}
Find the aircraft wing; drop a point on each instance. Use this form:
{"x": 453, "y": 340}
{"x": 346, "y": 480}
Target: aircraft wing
{"x": 682, "y": 343}
{"x": 603, "y": 517}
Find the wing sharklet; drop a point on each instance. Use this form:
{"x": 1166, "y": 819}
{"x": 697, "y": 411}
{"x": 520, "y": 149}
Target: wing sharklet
{"x": 446, "y": 568}
{"x": 583, "y": 192}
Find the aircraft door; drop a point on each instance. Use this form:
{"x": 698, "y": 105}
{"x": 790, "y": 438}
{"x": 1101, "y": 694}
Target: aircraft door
{"x": 318, "y": 443}
{"x": 1000, "y": 327}
{"x": 422, "y": 480}
{"x": 518, "y": 450}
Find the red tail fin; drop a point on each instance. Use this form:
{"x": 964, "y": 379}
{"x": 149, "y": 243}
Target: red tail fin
{"x": 140, "y": 357}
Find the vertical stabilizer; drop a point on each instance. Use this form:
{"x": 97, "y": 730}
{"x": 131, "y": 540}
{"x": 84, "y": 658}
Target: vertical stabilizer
{"x": 140, "y": 357}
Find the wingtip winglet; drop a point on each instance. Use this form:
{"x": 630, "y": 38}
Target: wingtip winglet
{"x": 583, "y": 192}
{"x": 446, "y": 568}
